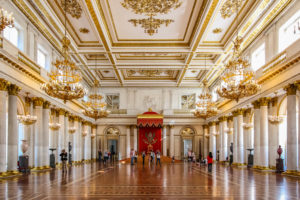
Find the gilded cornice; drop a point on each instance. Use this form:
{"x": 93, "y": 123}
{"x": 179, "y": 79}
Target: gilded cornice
{"x": 256, "y": 104}
{"x": 38, "y": 101}
{"x": 264, "y": 101}
{"x": 46, "y": 104}
{"x": 291, "y": 89}
{"x": 3, "y": 84}
{"x": 13, "y": 89}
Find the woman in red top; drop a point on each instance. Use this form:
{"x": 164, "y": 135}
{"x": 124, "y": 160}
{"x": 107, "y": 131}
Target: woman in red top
{"x": 209, "y": 161}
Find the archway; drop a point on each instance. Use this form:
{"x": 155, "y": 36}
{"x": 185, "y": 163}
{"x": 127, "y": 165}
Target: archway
{"x": 112, "y": 134}
{"x": 187, "y": 134}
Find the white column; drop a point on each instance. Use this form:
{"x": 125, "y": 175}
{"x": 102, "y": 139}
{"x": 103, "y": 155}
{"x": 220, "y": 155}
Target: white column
{"x": 66, "y": 132}
{"x": 241, "y": 159}
{"x": 256, "y": 127}
{"x": 223, "y": 127}
{"x": 135, "y": 138}
{"x": 229, "y": 134}
{"x": 235, "y": 137}
{"x": 80, "y": 141}
{"x": 273, "y": 134}
{"x": 247, "y": 134}
{"x": 206, "y": 140}
{"x": 264, "y": 139}
{"x": 212, "y": 139}
{"x": 292, "y": 134}
{"x": 61, "y": 132}
{"x": 46, "y": 151}
{"x": 75, "y": 140}
{"x": 172, "y": 141}
{"x": 93, "y": 141}
{"x": 28, "y": 133}
{"x": 38, "y": 133}
{"x": 3, "y": 135}
{"x": 13, "y": 133}
{"x": 87, "y": 142}
{"x": 298, "y": 84}
{"x": 165, "y": 140}
{"x": 128, "y": 141}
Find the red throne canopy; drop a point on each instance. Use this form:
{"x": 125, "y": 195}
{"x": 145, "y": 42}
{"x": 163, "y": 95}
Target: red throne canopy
{"x": 150, "y": 124}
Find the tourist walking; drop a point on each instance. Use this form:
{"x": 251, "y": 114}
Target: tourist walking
{"x": 64, "y": 158}
{"x": 209, "y": 161}
{"x": 100, "y": 155}
{"x": 158, "y": 158}
{"x": 143, "y": 156}
{"x": 152, "y": 156}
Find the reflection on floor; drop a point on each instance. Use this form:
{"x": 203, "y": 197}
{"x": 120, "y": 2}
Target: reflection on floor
{"x": 170, "y": 181}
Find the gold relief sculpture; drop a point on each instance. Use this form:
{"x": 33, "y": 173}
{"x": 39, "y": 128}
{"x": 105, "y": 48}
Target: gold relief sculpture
{"x": 187, "y": 131}
{"x": 72, "y": 7}
{"x": 217, "y": 30}
{"x": 149, "y": 72}
{"x": 112, "y": 131}
{"x": 151, "y": 8}
{"x": 84, "y": 30}
{"x": 230, "y": 7}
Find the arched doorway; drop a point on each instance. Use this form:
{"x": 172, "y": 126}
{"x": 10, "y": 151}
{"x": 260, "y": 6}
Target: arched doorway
{"x": 187, "y": 140}
{"x": 112, "y": 141}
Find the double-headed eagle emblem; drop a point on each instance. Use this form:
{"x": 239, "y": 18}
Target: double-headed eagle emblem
{"x": 150, "y": 138}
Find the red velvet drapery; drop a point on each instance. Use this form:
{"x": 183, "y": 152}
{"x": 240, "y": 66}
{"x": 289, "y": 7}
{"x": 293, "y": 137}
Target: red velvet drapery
{"x": 150, "y": 124}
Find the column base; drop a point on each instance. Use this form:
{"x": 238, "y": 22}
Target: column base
{"x": 261, "y": 167}
{"x": 13, "y": 173}
{"x": 291, "y": 172}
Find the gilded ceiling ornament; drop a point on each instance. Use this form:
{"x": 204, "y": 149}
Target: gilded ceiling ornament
{"x": 106, "y": 71}
{"x": 72, "y": 7}
{"x": 217, "y": 30}
{"x": 84, "y": 30}
{"x": 150, "y": 73}
{"x": 151, "y": 8}
{"x": 230, "y": 7}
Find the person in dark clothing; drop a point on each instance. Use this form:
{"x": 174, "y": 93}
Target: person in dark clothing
{"x": 143, "y": 156}
{"x": 100, "y": 155}
{"x": 209, "y": 161}
{"x": 64, "y": 158}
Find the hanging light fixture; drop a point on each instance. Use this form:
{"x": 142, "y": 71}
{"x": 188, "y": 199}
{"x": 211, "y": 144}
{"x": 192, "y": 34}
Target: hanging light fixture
{"x": 6, "y": 20}
{"x": 65, "y": 77}
{"x": 205, "y": 108}
{"x": 54, "y": 126}
{"x": 238, "y": 78}
{"x": 96, "y": 108}
{"x": 27, "y": 119}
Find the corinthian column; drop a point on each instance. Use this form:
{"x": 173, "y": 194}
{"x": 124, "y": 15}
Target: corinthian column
{"x": 298, "y": 86}
{"x": 264, "y": 137}
{"x": 292, "y": 134}
{"x": 76, "y": 140}
{"x": 13, "y": 133}
{"x": 229, "y": 133}
{"x": 256, "y": 125}
{"x": 135, "y": 138}
{"x": 223, "y": 135}
{"x": 66, "y": 132}
{"x": 128, "y": 141}
{"x": 205, "y": 139}
{"x": 212, "y": 139}
{"x": 46, "y": 110}
{"x": 38, "y": 137}
{"x": 28, "y": 133}
{"x": 61, "y": 131}
{"x": 235, "y": 137}
{"x": 172, "y": 141}
{"x": 247, "y": 133}
{"x": 3, "y": 107}
{"x": 93, "y": 138}
{"x": 165, "y": 140}
{"x": 273, "y": 134}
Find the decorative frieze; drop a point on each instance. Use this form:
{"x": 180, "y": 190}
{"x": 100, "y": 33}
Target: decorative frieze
{"x": 13, "y": 89}
{"x": 3, "y": 84}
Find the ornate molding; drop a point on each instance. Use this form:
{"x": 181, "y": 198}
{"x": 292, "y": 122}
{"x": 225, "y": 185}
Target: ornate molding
{"x": 291, "y": 89}
{"x": 38, "y": 101}
{"x": 4, "y": 84}
{"x": 256, "y": 104}
{"x": 46, "y": 104}
{"x": 13, "y": 89}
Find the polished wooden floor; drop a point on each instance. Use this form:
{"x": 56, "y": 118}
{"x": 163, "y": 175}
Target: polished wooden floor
{"x": 170, "y": 181}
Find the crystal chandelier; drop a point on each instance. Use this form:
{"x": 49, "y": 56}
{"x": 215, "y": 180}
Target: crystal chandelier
{"x": 72, "y": 130}
{"x": 27, "y": 119}
{"x": 205, "y": 108}
{"x": 7, "y": 20}
{"x": 275, "y": 119}
{"x": 54, "y": 126}
{"x": 96, "y": 108}
{"x": 238, "y": 78}
{"x": 65, "y": 77}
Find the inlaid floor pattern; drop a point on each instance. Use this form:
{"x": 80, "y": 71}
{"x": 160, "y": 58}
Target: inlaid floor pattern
{"x": 170, "y": 181}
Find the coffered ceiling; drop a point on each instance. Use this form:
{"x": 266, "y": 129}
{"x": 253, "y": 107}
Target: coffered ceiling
{"x": 112, "y": 42}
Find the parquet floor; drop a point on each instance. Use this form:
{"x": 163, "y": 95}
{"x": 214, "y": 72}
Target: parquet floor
{"x": 171, "y": 181}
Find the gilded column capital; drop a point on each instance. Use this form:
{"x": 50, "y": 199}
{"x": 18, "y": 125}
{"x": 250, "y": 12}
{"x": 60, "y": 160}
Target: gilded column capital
{"x": 13, "y": 89}
{"x": 94, "y": 126}
{"x": 237, "y": 112}
{"x": 230, "y": 119}
{"x": 61, "y": 111}
{"x": 67, "y": 114}
{"x": 247, "y": 111}
{"x": 213, "y": 123}
{"x": 28, "y": 101}
{"x": 53, "y": 111}
{"x": 256, "y": 104}
{"x": 290, "y": 89}
{"x": 76, "y": 118}
{"x": 264, "y": 101}
{"x": 46, "y": 104}
{"x": 37, "y": 101}
{"x": 3, "y": 84}
{"x": 128, "y": 126}
{"x": 222, "y": 119}
{"x": 171, "y": 126}
{"x": 274, "y": 101}
{"x": 71, "y": 118}
{"x": 297, "y": 83}
{"x": 205, "y": 126}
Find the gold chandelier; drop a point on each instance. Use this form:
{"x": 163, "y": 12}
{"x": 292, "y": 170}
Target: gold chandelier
{"x": 7, "y": 20}
{"x": 238, "y": 78}
{"x": 205, "y": 108}
{"x": 27, "y": 119}
{"x": 96, "y": 108}
{"x": 151, "y": 8}
{"x": 65, "y": 77}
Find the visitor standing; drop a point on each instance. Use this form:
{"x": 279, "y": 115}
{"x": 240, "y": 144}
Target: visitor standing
{"x": 209, "y": 161}
{"x": 158, "y": 158}
{"x": 152, "y": 156}
{"x": 64, "y": 158}
{"x": 194, "y": 157}
{"x": 143, "y": 156}
{"x": 135, "y": 156}
{"x": 100, "y": 155}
